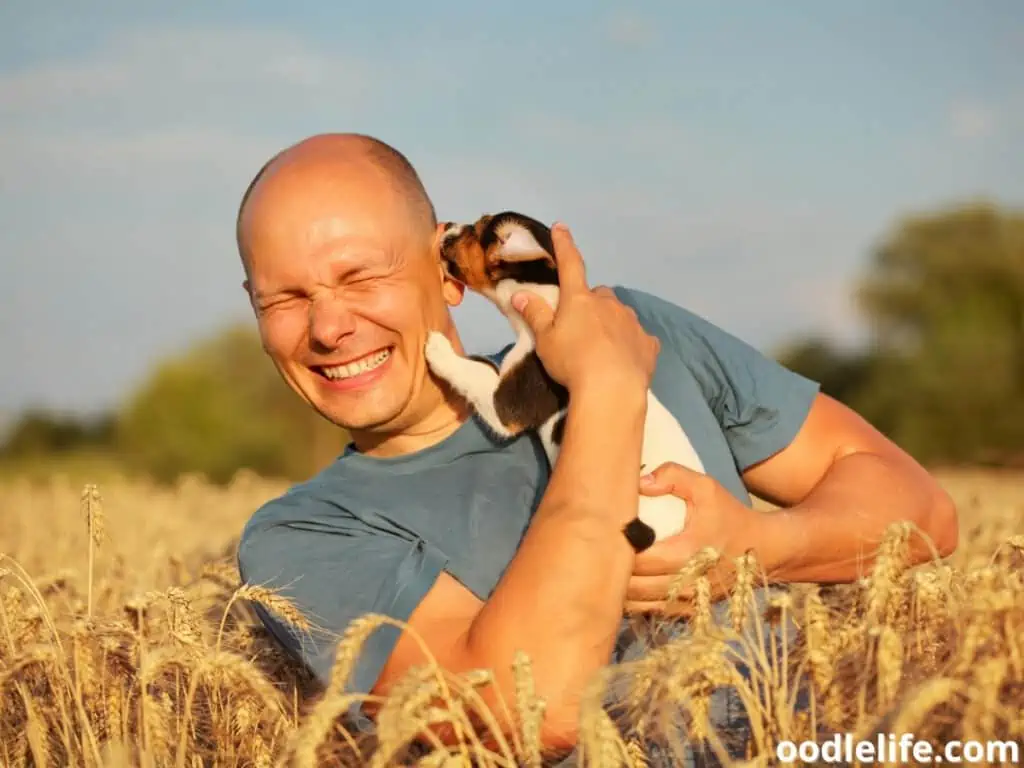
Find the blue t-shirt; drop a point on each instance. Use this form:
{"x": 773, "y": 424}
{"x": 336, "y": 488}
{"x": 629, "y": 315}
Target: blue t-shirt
{"x": 371, "y": 535}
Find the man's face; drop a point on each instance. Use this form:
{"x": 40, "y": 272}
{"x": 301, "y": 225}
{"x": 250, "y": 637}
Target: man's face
{"x": 345, "y": 290}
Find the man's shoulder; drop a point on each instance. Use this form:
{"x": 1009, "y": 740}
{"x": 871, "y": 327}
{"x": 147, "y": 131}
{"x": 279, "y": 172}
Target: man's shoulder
{"x": 288, "y": 529}
{"x": 677, "y": 327}
{"x": 653, "y": 308}
{"x": 743, "y": 385}
{"x": 297, "y": 505}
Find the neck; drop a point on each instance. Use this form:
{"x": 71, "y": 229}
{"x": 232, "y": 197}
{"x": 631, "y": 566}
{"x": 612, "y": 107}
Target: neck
{"x": 438, "y": 424}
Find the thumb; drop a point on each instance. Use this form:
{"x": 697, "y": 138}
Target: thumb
{"x": 668, "y": 478}
{"x": 535, "y": 311}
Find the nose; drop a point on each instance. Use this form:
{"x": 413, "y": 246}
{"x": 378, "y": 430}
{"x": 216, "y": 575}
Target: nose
{"x": 330, "y": 321}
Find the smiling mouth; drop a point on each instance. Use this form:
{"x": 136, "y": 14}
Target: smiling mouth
{"x": 356, "y": 367}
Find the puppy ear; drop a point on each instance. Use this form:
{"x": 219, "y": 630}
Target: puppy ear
{"x": 519, "y": 244}
{"x": 439, "y": 233}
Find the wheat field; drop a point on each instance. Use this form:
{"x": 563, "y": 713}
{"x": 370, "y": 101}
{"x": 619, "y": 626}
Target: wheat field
{"x": 126, "y": 639}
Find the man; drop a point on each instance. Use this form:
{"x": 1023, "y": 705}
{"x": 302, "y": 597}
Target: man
{"x": 473, "y": 542}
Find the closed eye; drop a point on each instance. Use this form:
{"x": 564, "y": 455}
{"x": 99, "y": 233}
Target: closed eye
{"x": 276, "y": 302}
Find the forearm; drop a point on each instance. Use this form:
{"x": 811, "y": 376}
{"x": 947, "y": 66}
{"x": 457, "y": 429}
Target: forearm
{"x": 561, "y": 598}
{"x": 834, "y": 533}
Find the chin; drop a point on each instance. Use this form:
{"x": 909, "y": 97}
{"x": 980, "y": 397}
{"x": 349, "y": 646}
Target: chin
{"x": 364, "y": 410}
{"x": 363, "y": 422}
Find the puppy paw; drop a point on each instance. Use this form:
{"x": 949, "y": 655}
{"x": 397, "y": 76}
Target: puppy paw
{"x": 440, "y": 353}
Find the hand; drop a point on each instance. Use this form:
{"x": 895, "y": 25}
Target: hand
{"x": 592, "y": 337}
{"x": 715, "y": 518}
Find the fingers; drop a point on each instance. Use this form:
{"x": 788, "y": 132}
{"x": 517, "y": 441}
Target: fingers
{"x": 535, "y": 311}
{"x": 680, "y": 609}
{"x": 572, "y": 274}
{"x": 651, "y": 593}
{"x": 653, "y": 588}
{"x": 666, "y": 557}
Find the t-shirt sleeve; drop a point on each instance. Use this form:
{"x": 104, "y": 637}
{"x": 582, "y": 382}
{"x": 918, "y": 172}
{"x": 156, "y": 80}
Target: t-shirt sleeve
{"x": 759, "y": 403}
{"x": 335, "y": 568}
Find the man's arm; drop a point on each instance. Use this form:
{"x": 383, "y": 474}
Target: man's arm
{"x": 560, "y": 599}
{"x": 841, "y": 483}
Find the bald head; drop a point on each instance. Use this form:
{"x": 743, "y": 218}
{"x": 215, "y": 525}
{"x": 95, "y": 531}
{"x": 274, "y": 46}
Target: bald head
{"x": 347, "y": 156}
{"x": 338, "y": 240}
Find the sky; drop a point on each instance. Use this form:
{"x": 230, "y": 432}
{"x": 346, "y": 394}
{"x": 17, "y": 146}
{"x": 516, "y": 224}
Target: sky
{"x": 740, "y": 159}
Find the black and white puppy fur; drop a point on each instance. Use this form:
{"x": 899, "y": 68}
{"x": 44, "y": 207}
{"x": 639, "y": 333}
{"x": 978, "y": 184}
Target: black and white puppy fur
{"x": 496, "y": 257}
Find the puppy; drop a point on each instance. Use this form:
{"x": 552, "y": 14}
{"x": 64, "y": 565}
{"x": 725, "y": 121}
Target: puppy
{"x": 496, "y": 257}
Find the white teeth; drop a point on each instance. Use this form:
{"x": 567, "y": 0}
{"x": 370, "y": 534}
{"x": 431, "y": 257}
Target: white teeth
{"x": 360, "y": 366}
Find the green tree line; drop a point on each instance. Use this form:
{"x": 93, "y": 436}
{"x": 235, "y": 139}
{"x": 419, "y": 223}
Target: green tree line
{"x": 211, "y": 410}
{"x": 942, "y": 373}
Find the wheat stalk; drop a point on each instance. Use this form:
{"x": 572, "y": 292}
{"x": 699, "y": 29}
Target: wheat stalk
{"x": 282, "y": 606}
{"x": 530, "y": 709}
{"x": 890, "y": 664}
{"x": 92, "y": 509}
{"x": 98, "y": 677}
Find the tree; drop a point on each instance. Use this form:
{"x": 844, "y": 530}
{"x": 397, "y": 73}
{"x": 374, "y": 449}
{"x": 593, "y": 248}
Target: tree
{"x": 841, "y": 374}
{"x": 944, "y": 298}
{"x": 219, "y": 408}
{"x": 38, "y": 433}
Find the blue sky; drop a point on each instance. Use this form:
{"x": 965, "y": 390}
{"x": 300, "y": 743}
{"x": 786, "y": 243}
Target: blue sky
{"x": 739, "y": 159}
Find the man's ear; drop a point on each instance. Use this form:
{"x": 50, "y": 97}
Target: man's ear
{"x": 438, "y": 232}
{"x": 453, "y": 290}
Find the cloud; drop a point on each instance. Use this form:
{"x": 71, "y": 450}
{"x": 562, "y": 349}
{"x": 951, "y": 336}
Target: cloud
{"x": 184, "y": 56}
{"x": 972, "y": 122}
{"x": 144, "y": 153}
{"x": 630, "y": 30}
{"x": 43, "y": 87}
{"x": 155, "y": 78}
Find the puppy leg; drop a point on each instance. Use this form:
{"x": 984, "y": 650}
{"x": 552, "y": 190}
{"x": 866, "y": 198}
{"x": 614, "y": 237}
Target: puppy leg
{"x": 474, "y": 380}
{"x": 551, "y": 435}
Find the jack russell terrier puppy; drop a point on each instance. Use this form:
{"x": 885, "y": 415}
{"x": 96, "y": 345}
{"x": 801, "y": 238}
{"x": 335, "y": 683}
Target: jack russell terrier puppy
{"x": 496, "y": 257}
